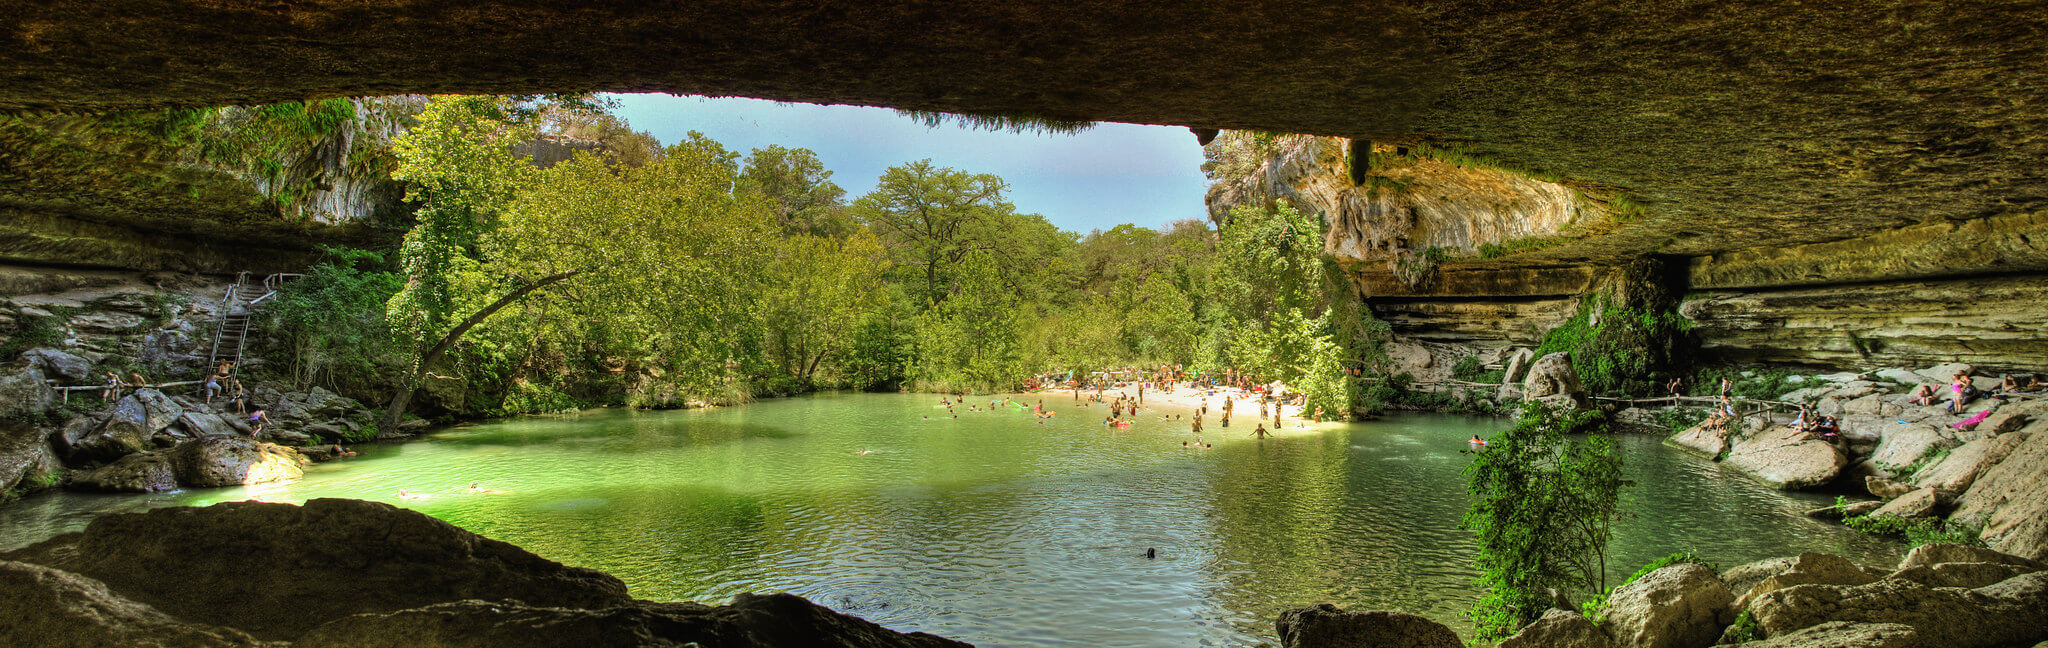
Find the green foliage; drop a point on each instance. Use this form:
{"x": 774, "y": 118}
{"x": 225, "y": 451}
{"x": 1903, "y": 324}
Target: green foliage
{"x": 1628, "y": 352}
{"x": 1543, "y": 507}
{"x": 30, "y": 331}
{"x": 1744, "y": 630}
{"x": 800, "y": 190}
{"x": 1917, "y": 531}
{"x": 1680, "y": 419}
{"x": 1762, "y": 383}
{"x": 1687, "y": 556}
{"x": 1468, "y": 368}
{"x": 328, "y": 325}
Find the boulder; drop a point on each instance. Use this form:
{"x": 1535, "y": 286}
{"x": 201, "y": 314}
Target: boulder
{"x": 228, "y": 460}
{"x": 1838, "y": 634}
{"x": 1924, "y": 502}
{"x": 1966, "y": 575}
{"x": 127, "y": 427}
{"x": 1885, "y": 487}
{"x": 277, "y": 570}
{"x": 199, "y": 423}
{"x": 1559, "y": 629}
{"x": 1325, "y": 626}
{"x": 1805, "y": 569}
{"x": 50, "y": 607}
{"x": 1943, "y": 553}
{"x": 24, "y": 391}
{"x": 1551, "y": 376}
{"x": 2013, "y": 611}
{"x": 1701, "y": 440}
{"x": 1961, "y": 467}
{"x": 1516, "y": 365}
{"x": 24, "y": 453}
{"x": 284, "y": 437}
{"x": 751, "y": 621}
{"x": 1742, "y": 577}
{"x": 142, "y": 472}
{"x": 2010, "y": 500}
{"x": 1787, "y": 463}
{"x": 62, "y": 365}
{"x": 1904, "y": 444}
{"x": 1680, "y": 606}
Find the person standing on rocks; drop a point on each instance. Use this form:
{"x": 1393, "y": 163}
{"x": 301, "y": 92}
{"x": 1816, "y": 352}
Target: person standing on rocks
{"x": 113, "y": 389}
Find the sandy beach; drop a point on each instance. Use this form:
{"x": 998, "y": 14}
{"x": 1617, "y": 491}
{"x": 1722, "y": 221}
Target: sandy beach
{"x": 1182, "y": 401}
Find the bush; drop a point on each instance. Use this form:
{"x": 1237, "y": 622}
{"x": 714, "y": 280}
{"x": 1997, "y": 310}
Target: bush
{"x": 1543, "y": 506}
{"x": 1917, "y": 532}
{"x": 1629, "y": 352}
{"x": 1468, "y": 368}
{"x": 1761, "y": 384}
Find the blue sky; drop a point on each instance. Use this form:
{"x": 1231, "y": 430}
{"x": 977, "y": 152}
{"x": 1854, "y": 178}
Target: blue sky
{"x": 1108, "y": 175}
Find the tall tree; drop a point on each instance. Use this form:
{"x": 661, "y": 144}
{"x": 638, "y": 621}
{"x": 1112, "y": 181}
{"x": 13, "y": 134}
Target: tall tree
{"x": 804, "y": 198}
{"x": 933, "y": 218}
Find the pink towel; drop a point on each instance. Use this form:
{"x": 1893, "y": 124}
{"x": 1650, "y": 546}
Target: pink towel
{"x": 1979, "y": 418}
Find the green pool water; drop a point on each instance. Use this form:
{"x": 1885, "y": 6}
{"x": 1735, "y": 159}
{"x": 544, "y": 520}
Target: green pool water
{"x": 998, "y": 530}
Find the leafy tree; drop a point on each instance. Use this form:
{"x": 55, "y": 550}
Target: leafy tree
{"x": 822, "y": 287}
{"x": 1543, "y": 507}
{"x": 805, "y": 199}
{"x": 331, "y": 322}
{"x": 933, "y": 218}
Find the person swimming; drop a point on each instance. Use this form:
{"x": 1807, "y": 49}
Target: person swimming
{"x": 478, "y": 489}
{"x": 864, "y": 451}
{"x": 1477, "y": 441}
{"x": 402, "y": 494}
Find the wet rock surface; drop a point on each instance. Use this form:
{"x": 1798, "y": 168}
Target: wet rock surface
{"x": 361, "y": 574}
{"x": 50, "y": 607}
{"x": 751, "y": 621}
{"x": 1326, "y": 626}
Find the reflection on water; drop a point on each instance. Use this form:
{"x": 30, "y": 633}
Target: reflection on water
{"x": 1000, "y": 531}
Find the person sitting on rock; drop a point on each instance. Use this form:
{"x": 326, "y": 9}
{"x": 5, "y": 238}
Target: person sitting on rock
{"x": 1828, "y": 428}
{"x": 1924, "y": 394}
{"x": 2008, "y": 385}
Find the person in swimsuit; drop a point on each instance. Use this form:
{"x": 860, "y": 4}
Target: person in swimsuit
{"x": 257, "y": 420}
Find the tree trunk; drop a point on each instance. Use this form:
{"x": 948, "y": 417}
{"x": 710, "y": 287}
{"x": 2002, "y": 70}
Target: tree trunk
{"x": 399, "y": 401}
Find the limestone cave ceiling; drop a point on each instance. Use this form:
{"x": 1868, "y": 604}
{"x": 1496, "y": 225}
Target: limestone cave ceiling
{"x": 1739, "y": 124}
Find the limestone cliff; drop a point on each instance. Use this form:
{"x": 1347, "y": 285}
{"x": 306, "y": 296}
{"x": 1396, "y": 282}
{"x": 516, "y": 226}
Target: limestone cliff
{"x": 1459, "y": 252}
{"x": 218, "y": 191}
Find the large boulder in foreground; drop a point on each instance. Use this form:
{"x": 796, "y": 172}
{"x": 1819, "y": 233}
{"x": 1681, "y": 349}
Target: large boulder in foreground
{"x": 1807, "y": 568}
{"x": 1325, "y": 626}
{"x": 226, "y": 460}
{"x": 751, "y": 621}
{"x": 2010, "y": 500}
{"x": 1701, "y": 440}
{"x": 1782, "y": 459}
{"x": 2011, "y": 612}
{"x": 1680, "y": 606}
{"x": 277, "y": 570}
{"x": 50, "y": 607}
{"x": 1559, "y": 629}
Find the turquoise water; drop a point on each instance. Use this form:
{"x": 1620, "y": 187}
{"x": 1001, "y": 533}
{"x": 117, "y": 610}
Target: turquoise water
{"x": 998, "y": 530}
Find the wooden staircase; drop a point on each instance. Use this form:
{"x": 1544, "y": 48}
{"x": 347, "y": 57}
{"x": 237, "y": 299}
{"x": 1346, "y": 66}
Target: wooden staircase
{"x": 237, "y": 308}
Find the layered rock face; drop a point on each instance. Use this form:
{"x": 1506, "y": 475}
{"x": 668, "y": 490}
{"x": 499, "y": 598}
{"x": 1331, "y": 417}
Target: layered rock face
{"x": 361, "y": 574}
{"x": 1466, "y": 256}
